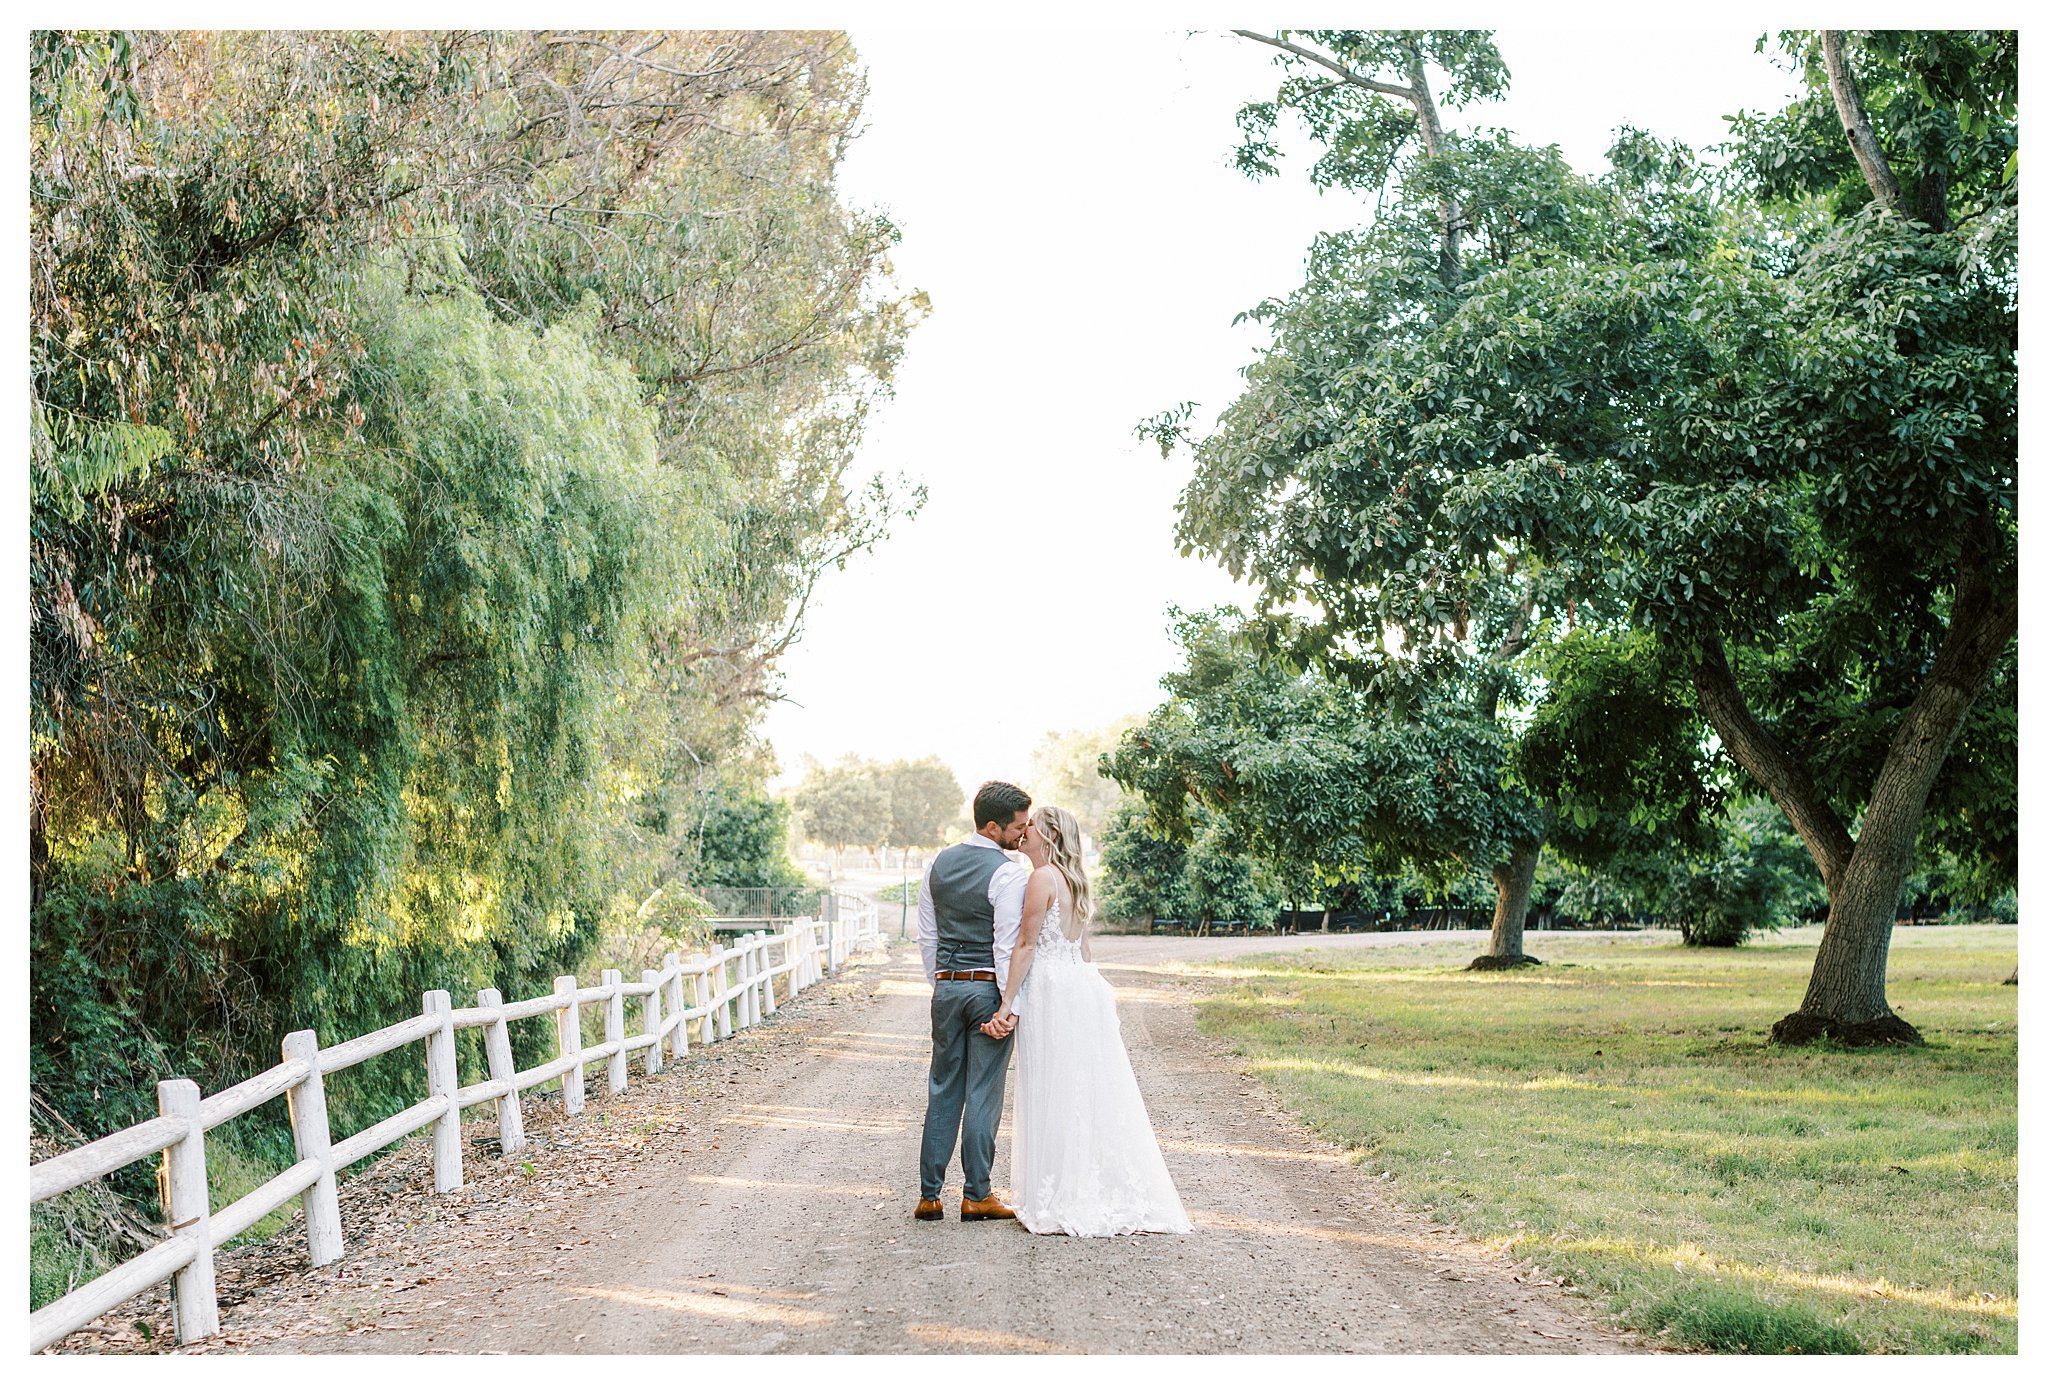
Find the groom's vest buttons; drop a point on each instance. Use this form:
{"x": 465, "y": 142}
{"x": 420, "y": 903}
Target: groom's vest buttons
{"x": 967, "y": 921}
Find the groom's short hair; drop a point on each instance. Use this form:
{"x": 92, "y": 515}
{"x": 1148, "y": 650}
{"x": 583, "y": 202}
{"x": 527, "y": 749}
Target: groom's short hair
{"x": 998, "y": 802}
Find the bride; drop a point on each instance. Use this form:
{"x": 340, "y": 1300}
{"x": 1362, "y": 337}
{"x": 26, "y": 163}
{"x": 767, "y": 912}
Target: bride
{"x": 1083, "y": 1158}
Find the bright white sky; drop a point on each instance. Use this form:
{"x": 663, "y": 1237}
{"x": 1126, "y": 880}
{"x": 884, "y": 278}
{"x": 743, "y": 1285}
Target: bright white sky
{"x": 1068, "y": 204}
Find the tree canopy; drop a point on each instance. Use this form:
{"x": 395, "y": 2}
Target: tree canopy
{"x": 1762, "y": 417}
{"x": 867, "y": 803}
{"x": 434, "y": 440}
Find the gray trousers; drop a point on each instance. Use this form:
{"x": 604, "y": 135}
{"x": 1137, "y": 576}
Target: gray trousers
{"x": 964, "y": 1098}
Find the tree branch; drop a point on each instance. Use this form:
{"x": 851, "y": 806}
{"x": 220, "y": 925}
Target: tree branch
{"x": 1856, "y": 122}
{"x": 1349, "y": 76}
{"x": 1772, "y": 763}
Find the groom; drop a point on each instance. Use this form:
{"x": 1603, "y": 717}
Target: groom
{"x": 967, "y": 920}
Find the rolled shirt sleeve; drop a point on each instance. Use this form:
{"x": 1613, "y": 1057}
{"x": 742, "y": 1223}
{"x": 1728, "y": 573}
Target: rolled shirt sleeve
{"x": 1006, "y": 894}
{"x": 928, "y": 926}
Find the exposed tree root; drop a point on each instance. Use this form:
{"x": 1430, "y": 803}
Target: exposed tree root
{"x": 1804, "y": 1027}
{"x": 1488, "y": 962}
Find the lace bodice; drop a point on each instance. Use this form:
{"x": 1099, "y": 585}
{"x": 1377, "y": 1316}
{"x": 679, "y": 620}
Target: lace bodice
{"x": 1053, "y": 942}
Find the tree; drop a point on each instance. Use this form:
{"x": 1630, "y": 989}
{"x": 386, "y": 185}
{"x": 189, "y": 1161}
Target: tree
{"x": 924, "y": 800}
{"x": 901, "y": 803}
{"x": 424, "y": 477}
{"x": 1143, "y": 871}
{"x": 1366, "y": 97}
{"x": 1315, "y": 780}
{"x": 844, "y": 805}
{"x": 1384, "y": 615}
{"x": 1221, "y": 883}
{"x": 744, "y": 843}
{"x": 1065, "y": 771}
{"x": 1325, "y": 784}
{"x": 1712, "y": 410}
{"x": 1773, "y": 417}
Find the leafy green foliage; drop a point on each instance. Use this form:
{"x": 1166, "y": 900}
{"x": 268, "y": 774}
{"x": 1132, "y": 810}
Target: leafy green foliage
{"x": 1761, "y": 416}
{"x": 1310, "y": 776}
{"x": 1947, "y": 101}
{"x": 744, "y": 842}
{"x": 1146, "y": 874}
{"x": 1617, "y": 747}
{"x": 1143, "y": 870}
{"x": 1363, "y": 132}
{"x": 425, "y": 478}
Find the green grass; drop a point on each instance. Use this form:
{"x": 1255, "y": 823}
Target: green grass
{"x": 1618, "y": 1116}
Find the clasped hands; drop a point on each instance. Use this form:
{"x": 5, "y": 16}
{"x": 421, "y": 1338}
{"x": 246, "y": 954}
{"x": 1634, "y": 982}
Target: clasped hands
{"x": 1000, "y": 1025}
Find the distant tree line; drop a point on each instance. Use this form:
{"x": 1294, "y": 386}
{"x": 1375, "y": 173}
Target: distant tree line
{"x": 872, "y": 804}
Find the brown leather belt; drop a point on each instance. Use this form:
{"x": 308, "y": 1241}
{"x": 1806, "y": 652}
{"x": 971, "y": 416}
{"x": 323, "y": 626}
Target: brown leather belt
{"x": 964, "y": 976}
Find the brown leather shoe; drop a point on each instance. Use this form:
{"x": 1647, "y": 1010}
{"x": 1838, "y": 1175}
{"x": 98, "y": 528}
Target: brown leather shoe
{"x": 930, "y": 1209}
{"x": 990, "y": 1208}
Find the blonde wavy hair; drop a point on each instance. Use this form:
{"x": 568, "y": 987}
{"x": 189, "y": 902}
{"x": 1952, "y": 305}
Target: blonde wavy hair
{"x": 1063, "y": 834}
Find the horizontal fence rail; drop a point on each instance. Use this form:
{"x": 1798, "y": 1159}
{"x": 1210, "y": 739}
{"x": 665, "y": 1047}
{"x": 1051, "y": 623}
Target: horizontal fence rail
{"x": 734, "y": 986}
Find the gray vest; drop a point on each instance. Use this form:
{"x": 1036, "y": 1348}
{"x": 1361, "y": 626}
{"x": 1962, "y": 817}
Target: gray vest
{"x": 967, "y": 921}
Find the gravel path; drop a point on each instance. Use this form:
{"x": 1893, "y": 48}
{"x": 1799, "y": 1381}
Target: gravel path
{"x": 759, "y": 1201}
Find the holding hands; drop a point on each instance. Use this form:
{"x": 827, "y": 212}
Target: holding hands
{"x": 1001, "y": 1024}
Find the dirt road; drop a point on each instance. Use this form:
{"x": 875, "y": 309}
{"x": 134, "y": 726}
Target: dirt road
{"x": 760, "y": 1202}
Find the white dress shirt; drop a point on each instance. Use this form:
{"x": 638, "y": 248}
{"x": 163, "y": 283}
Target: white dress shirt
{"x": 1005, "y": 895}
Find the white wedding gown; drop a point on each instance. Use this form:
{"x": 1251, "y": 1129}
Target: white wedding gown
{"x": 1083, "y": 1159}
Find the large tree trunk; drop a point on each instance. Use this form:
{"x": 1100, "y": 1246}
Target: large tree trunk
{"x": 1845, "y": 997}
{"x": 1514, "y": 879}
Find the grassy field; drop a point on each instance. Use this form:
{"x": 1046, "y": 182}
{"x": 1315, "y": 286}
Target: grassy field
{"x": 1617, "y": 1116}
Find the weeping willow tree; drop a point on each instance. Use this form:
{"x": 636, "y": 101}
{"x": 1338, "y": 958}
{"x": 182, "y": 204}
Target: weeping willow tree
{"x": 434, "y": 440}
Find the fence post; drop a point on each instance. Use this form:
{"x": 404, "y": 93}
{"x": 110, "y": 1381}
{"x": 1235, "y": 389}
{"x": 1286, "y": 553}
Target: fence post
{"x": 721, "y": 999}
{"x": 441, "y": 1081}
{"x": 615, "y": 1030}
{"x": 650, "y": 1017}
{"x": 679, "y": 1047}
{"x": 831, "y": 942}
{"x": 569, "y": 1038}
{"x": 498, "y": 1051}
{"x": 750, "y": 991}
{"x": 312, "y": 1138}
{"x": 185, "y": 1201}
{"x": 769, "y": 940}
{"x": 700, "y": 987}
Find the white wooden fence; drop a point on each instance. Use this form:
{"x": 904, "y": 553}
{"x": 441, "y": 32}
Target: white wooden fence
{"x": 733, "y": 987}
